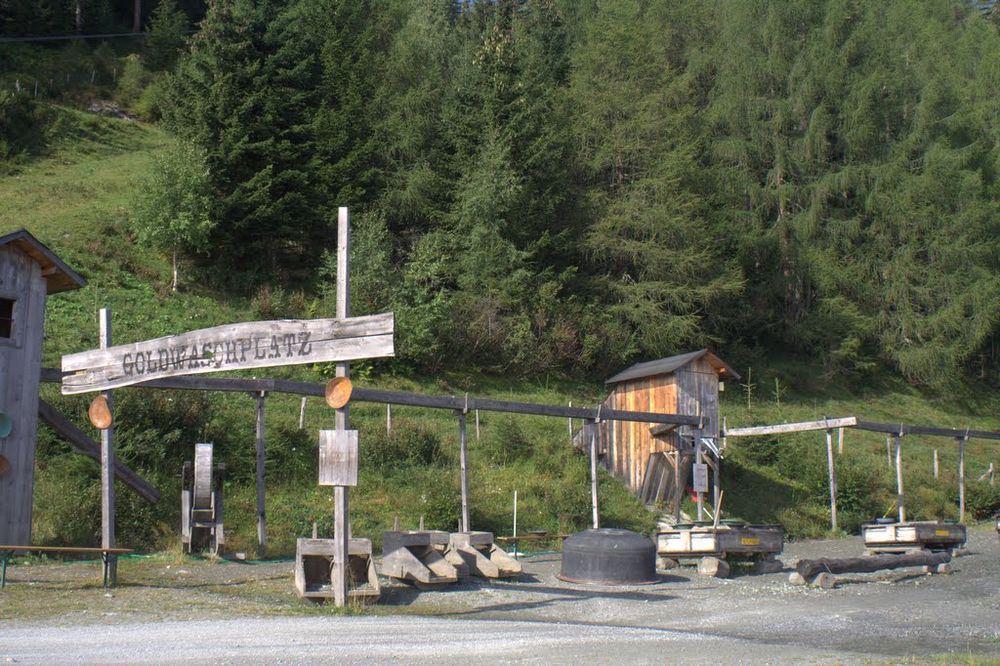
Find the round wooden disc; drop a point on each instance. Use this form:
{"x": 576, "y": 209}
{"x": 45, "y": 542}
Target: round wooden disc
{"x": 4, "y": 467}
{"x": 338, "y": 392}
{"x": 99, "y": 413}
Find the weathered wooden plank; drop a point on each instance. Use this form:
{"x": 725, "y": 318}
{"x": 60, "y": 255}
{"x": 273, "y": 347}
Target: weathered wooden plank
{"x": 230, "y": 347}
{"x": 88, "y": 447}
{"x": 781, "y": 428}
{"x": 338, "y": 457}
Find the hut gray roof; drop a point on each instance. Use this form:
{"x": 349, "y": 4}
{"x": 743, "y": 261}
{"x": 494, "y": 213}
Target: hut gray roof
{"x": 58, "y": 276}
{"x": 667, "y": 365}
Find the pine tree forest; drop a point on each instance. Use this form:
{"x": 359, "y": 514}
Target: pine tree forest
{"x": 566, "y": 186}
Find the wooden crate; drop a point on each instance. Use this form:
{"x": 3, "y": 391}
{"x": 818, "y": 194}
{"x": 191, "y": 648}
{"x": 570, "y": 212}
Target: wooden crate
{"x": 726, "y": 541}
{"x": 905, "y": 537}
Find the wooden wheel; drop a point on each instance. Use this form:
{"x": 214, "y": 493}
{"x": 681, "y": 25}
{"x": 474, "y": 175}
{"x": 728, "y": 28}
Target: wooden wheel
{"x": 202, "y": 491}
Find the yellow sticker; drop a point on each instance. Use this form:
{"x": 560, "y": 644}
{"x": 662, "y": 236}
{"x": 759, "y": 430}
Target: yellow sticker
{"x": 941, "y": 533}
{"x": 750, "y": 541}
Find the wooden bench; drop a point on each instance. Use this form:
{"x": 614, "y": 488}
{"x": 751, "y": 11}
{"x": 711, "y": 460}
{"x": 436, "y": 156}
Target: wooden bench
{"x": 107, "y": 554}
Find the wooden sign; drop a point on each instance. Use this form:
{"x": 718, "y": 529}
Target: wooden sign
{"x": 256, "y": 344}
{"x": 700, "y": 472}
{"x": 338, "y": 457}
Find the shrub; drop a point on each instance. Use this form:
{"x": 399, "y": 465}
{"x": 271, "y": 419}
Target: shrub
{"x": 20, "y": 125}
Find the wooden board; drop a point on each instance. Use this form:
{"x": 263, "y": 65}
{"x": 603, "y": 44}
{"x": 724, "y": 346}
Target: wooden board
{"x": 241, "y": 346}
{"x": 338, "y": 457}
{"x": 781, "y": 428}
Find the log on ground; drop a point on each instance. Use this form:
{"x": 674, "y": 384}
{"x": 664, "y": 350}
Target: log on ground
{"x": 809, "y": 569}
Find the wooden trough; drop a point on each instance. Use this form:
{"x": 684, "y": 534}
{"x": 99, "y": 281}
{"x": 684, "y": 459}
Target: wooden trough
{"x": 475, "y": 553}
{"x": 201, "y": 502}
{"x": 314, "y": 562}
{"x": 912, "y": 537}
{"x": 418, "y": 556}
{"x": 758, "y": 544}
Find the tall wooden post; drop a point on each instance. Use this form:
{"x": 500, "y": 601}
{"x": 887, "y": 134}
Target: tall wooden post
{"x": 341, "y": 522}
{"x": 840, "y": 441}
{"x": 888, "y": 450}
{"x": 936, "y": 468}
{"x": 833, "y": 479}
{"x": 591, "y": 427}
{"x": 261, "y": 519}
{"x": 899, "y": 478}
{"x": 961, "y": 478}
{"x": 108, "y": 465}
{"x": 464, "y": 463}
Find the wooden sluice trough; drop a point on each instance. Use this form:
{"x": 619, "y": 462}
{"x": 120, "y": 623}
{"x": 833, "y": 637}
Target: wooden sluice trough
{"x": 475, "y": 553}
{"x": 720, "y": 546}
{"x": 201, "y": 502}
{"x": 314, "y": 564}
{"x": 418, "y": 556}
{"x": 913, "y": 537}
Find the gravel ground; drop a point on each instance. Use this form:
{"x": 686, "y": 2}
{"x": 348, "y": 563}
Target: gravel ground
{"x": 200, "y": 611}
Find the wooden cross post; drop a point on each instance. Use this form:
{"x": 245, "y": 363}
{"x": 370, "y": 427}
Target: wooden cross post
{"x": 341, "y": 521}
{"x": 261, "y": 524}
{"x": 698, "y": 461}
{"x": 108, "y": 467}
{"x": 833, "y": 479}
{"x": 899, "y": 477}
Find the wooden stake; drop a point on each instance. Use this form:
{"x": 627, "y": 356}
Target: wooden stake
{"x": 477, "y": 425}
{"x": 388, "y": 417}
{"x": 463, "y": 461}
{"x": 961, "y": 479}
{"x": 341, "y": 521}
{"x": 302, "y": 414}
{"x": 833, "y": 480}
{"x": 108, "y": 465}
{"x": 936, "y": 468}
{"x": 888, "y": 450}
{"x": 261, "y": 521}
{"x": 570, "y": 425}
{"x": 899, "y": 479}
{"x": 840, "y": 441}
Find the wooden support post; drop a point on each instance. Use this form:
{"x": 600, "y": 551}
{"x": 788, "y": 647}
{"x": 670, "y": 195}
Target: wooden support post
{"x": 698, "y": 460}
{"x": 899, "y": 478}
{"x": 341, "y": 521}
{"x": 936, "y": 468}
{"x": 388, "y": 417}
{"x": 261, "y": 513}
{"x": 570, "y": 425}
{"x": 888, "y": 450}
{"x": 464, "y": 462}
{"x": 108, "y": 466}
{"x": 833, "y": 480}
{"x": 961, "y": 479}
{"x": 302, "y": 414}
{"x": 477, "y": 425}
{"x": 716, "y": 487}
{"x": 840, "y": 441}
{"x": 591, "y": 426}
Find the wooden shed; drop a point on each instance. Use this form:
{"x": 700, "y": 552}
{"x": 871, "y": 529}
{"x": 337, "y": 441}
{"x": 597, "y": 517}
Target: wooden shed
{"x": 687, "y": 384}
{"x": 29, "y": 271}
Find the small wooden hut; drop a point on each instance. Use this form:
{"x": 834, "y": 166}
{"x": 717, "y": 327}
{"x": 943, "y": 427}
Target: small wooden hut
{"x": 29, "y": 271}
{"x": 687, "y": 384}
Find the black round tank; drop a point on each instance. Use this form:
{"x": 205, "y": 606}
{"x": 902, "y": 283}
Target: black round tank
{"x": 608, "y": 556}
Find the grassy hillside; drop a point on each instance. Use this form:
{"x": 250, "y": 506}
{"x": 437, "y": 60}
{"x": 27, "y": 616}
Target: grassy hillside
{"x": 75, "y": 198}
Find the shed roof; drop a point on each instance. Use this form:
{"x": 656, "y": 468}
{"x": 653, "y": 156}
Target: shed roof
{"x": 58, "y": 276}
{"x": 667, "y": 365}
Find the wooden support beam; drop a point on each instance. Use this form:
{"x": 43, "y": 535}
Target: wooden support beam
{"x": 809, "y": 569}
{"x": 900, "y": 499}
{"x": 595, "y": 514}
{"x": 833, "y": 480}
{"x": 782, "y": 428}
{"x": 961, "y": 479}
{"x": 903, "y": 429}
{"x": 261, "y": 511}
{"x": 463, "y": 456}
{"x": 82, "y": 443}
{"x": 108, "y": 463}
{"x": 342, "y": 524}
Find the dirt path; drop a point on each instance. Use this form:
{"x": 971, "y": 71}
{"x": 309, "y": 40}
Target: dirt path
{"x": 196, "y": 610}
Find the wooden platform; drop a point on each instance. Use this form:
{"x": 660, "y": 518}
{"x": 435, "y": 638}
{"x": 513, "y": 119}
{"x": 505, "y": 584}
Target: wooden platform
{"x": 724, "y": 542}
{"x": 913, "y": 536}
